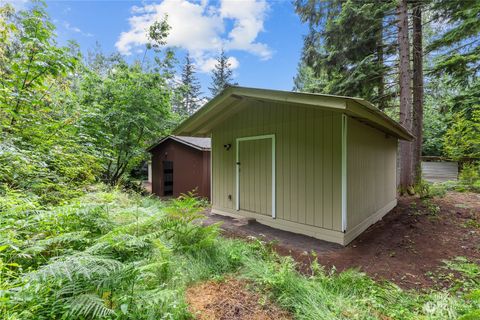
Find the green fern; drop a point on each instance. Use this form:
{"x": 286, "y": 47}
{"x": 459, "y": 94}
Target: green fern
{"x": 64, "y": 240}
{"x": 140, "y": 255}
{"x": 89, "y": 306}
{"x": 78, "y": 265}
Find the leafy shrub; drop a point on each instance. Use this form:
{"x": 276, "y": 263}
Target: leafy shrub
{"x": 462, "y": 138}
{"x": 182, "y": 225}
{"x": 469, "y": 177}
{"x": 108, "y": 254}
{"x": 14, "y": 202}
{"x": 116, "y": 255}
{"x": 473, "y": 315}
{"x": 430, "y": 207}
{"x": 429, "y": 190}
{"x": 33, "y": 236}
{"x": 54, "y": 175}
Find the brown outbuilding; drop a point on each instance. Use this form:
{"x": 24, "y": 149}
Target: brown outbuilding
{"x": 180, "y": 164}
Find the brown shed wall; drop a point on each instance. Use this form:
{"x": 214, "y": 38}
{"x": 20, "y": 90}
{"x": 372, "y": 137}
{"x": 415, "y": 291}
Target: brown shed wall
{"x": 191, "y": 168}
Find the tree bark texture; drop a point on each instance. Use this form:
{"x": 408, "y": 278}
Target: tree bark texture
{"x": 406, "y": 176}
{"x": 380, "y": 61}
{"x": 417, "y": 126}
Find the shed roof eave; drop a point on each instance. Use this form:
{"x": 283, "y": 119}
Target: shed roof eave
{"x": 370, "y": 112}
{"x": 299, "y": 98}
{"x": 195, "y": 125}
{"x": 182, "y": 128}
{"x": 178, "y": 139}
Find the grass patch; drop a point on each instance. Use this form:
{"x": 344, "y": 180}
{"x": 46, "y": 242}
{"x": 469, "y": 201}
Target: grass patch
{"x": 116, "y": 255}
{"x": 459, "y": 276}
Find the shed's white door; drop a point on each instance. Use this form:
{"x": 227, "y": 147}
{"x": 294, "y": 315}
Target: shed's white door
{"x": 255, "y": 175}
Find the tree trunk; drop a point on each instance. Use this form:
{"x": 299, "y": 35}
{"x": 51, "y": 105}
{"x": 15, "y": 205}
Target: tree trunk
{"x": 380, "y": 60}
{"x": 406, "y": 177}
{"x": 417, "y": 126}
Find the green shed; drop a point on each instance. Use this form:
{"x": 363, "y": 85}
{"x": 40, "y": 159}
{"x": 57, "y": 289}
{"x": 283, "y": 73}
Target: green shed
{"x": 315, "y": 164}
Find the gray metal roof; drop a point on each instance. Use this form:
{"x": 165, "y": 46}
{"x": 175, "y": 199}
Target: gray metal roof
{"x": 202, "y": 144}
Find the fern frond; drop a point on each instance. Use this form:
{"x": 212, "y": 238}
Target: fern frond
{"x": 89, "y": 306}
{"x": 80, "y": 264}
{"x": 99, "y": 248}
{"x": 65, "y": 238}
{"x": 73, "y": 288}
{"x": 120, "y": 278}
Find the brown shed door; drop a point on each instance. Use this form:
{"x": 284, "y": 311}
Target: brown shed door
{"x": 255, "y": 175}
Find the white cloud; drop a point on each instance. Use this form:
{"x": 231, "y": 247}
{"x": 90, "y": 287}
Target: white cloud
{"x": 207, "y": 65}
{"x": 69, "y": 27}
{"x": 201, "y": 28}
{"x": 192, "y": 28}
{"x": 248, "y": 17}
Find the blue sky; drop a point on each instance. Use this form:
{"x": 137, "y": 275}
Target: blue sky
{"x": 264, "y": 38}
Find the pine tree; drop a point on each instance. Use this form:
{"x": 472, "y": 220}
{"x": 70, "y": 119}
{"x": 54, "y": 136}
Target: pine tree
{"x": 458, "y": 61}
{"x": 307, "y": 81}
{"x": 307, "y": 78}
{"x": 222, "y": 75}
{"x": 353, "y": 46}
{"x": 190, "y": 94}
{"x": 459, "y": 46}
{"x": 417, "y": 123}
{"x": 363, "y": 48}
{"x": 405, "y": 77}
{"x": 347, "y": 45}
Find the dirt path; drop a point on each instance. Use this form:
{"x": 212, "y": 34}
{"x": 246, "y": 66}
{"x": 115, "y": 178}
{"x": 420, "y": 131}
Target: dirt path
{"x": 409, "y": 243}
{"x": 231, "y": 300}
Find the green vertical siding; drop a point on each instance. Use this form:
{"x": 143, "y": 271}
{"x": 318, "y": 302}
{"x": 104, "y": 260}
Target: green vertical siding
{"x": 309, "y": 168}
{"x": 327, "y": 174}
{"x": 371, "y": 171}
{"x": 308, "y": 162}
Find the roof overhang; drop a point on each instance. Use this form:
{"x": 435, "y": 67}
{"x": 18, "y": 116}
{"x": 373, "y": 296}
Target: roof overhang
{"x": 178, "y": 139}
{"x": 233, "y": 99}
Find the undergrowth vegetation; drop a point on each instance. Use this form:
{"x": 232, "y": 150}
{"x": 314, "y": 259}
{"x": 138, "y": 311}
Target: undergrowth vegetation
{"x": 116, "y": 255}
{"x": 469, "y": 178}
{"x": 468, "y": 181}
{"x": 70, "y": 250}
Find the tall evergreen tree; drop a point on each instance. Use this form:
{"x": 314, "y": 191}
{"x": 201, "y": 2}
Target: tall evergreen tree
{"x": 458, "y": 60}
{"x": 346, "y": 47}
{"x": 190, "y": 95}
{"x": 417, "y": 121}
{"x": 307, "y": 81}
{"x": 222, "y": 74}
{"x": 363, "y": 48}
{"x": 308, "y": 77}
{"x": 406, "y": 176}
{"x": 459, "y": 46}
